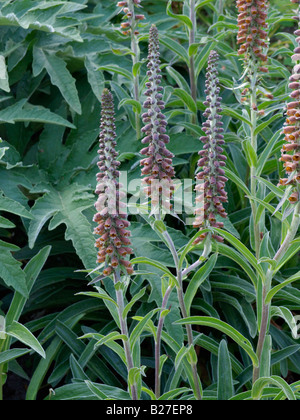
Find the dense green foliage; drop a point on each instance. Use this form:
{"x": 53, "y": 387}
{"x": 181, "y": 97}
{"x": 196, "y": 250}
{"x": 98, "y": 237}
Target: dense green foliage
{"x": 55, "y": 59}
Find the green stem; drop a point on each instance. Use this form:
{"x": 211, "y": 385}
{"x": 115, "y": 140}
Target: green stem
{"x": 2, "y": 374}
{"x": 253, "y": 104}
{"x": 183, "y": 309}
{"x": 124, "y": 331}
{"x": 265, "y": 321}
{"x": 158, "y": 341}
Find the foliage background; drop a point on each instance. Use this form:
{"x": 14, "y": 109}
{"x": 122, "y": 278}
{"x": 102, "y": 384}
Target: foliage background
{"x": 51, "y": 85}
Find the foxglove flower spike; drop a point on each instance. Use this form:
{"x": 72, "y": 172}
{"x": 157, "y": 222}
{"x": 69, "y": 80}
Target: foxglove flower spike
{"x": 157, "y": 165}
{"x": 211, "y": 179}
{"x": 113, "y": 242}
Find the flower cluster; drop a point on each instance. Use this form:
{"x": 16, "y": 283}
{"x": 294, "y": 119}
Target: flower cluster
{"x": 252, "y": 35}
{"x": 210, "y": 186}
{"x": 157, "y": 166}
{"x": 114, "y": 241}
{"x": 290, "y": 152}
{"x": 132, "y": 18}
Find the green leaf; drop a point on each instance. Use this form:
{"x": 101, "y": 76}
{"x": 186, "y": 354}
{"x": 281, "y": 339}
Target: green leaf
{"x": 39, "y": 19}
{"x": 113, "y": 336}
{"x": 179, "y": 79}
{"x": 250, "y": 153}
{"x": 202, "y": 56}
{"x": 12, "y": 206}
{"x": 242, "y": 249}
{"x": 21, "y": 333}
{"x": 99, "y": 394}
{"x": 265, "y": 362}
{"x": 10, "y": 269}
{"x": 118, "y": 70}
{"x": 180, "y": 356}
{"x": 6, "y": 224}
{"x": 66, "y": 206}
{"x": 9, "y": 355}
{"x": 199, "y": 277}
{"x": 97, "y": 295}
{"x": 234, "y": 114}
{"x": 182, "y": 18}
{"x": 226, "y": 329}
{"x": 60, "y": 77}
{"x": 225, "y": 380}
{"x": 137, "y": 107}
{"x": 280, "y": 286}
{"x": 95, "y": 78}
{"x": 261, "y": 383}
{"x": 148, "y": 261}
{"x": 22, "y": 111}
{"x": 286, "y": 315}
{"x": 187, "y": 99}
{"x": 265, "y": 124}
{"x": 266, "y": 153}
{"x": 175, "y": 47}
{"x": 31, "y": 271}
{"x": 133, "y": 301}
{"x": 237, "y": 180}
{"x": 139, "y": 328}
{"x": 4, "y": 83}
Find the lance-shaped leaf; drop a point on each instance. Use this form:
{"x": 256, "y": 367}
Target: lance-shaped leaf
{"x": 21, "y": 333}
{"x": 226, "y": 329}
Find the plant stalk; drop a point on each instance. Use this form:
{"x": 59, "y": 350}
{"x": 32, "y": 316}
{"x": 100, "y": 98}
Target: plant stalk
{"x": 124, "y": 331}
{"x": 183, "y": 309}
{"x": 158, "y": 341}
{"x": 253, "y": 104}
{"x": 265, "y": 321}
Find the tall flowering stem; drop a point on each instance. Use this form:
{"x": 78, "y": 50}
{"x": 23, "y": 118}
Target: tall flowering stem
{"x": 210, "y": 188}
{"x": 158, "y": 175}
{"x": 130, "y": 27}
{"x": 111, "y": 217}
{"x": 291, "y": 157}
{"x": 253, "y": 40}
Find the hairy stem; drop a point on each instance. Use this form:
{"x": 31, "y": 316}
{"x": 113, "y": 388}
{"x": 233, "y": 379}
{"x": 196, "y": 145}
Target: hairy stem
{"x": 2, "y": 372}
{"x": 158, "y": 341}
{"x": 253, "y": 104}
{"x": 124, "y": 330}
{"x": 183, "y": 309}
{"x": 265, "y": 321}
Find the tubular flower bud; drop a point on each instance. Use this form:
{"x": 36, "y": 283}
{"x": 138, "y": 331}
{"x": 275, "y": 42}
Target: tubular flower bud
{"x": 131, "y": 18}
{"x": 252, "y": 35}
{"x": 157, "y": 166}
{"x": 290, "y": 152}
{"x": 210, "y": 180}
{"x": 111, "y": 219}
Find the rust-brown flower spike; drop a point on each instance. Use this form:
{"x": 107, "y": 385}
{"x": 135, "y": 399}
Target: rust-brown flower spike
{"x": 290, "y": 152}
{"x": 131, "y": 18}
{"x": 211, "y": 194}
{"x": 113, "y": 242}
{"x": 157, "y": 166}
{"x": 252, "y": 35}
